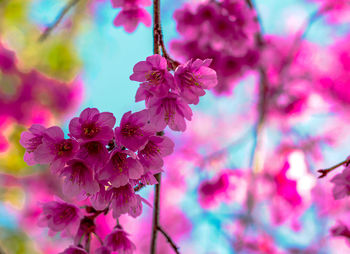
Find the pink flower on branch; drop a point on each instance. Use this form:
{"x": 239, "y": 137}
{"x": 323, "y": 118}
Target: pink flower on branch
{"x": 74, "y": 250}
{"x": 55, "y": 149}
{"x": 130, "y": 18}
{"x": 92, "y": 125}
{"x": 94, "y": 153}
{"x": 130, "y": 3}
{"x": 121, "y": 167}
{"x": 118, "y": 241}
{"x": 152, "y": 153}
{"x": 341, "y": 188}
{"x": 134, "y": 130}
{"x": 103, "y": 250}
{"x": 154, "y": 74}
{"x": 79, "y": 179}
{"x": 30, "y": 140}
{"x": 193, "y": 77}
{"x": 60, "y": 216}
{"x": 170, "y": 110}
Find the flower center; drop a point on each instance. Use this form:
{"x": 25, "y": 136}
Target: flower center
{"x": 90, "y": 130}
{"x": 129, "y": 130}
{"x": 67, "y": 213}
{"x": 64, "y": 147}
{"x": 190, "y": 79}
{"x": 150, "y": 149}
{"x": 34, "y": 143}
{"x": 93, "y": 147}
{"x": 154, "y": 77}
{"x": 119, "y": 161}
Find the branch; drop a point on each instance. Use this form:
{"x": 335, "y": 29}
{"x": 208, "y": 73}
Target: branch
{"x": 324, "y": 172}
{"x": 60, "y": 16}
{"x": 173, "y": 245}
{"x": 155, "y": 224}
{"x": 156, "y": 50}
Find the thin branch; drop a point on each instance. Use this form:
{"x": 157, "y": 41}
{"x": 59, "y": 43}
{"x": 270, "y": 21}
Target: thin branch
{"x": 155, "y": 223}
{"x": 58, "y": 19}
{"x": 168, "y": 238}
{"x": 156, "y": 50}
{"x": 324, "y": 172}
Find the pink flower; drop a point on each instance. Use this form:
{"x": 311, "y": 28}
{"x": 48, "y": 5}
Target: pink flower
{"x": 124, "y": 200}
{"x": 30, "y": 140}
{"x": 152, "y": 153}
{"x": 193, "y": 77}
{"x": 74, "y": 250}
{"x": 79, "y": 179}
{"x": 143, "y": 94}
{"x": 341, "y": 188}
{"x": 134, "y": 130}
{"x": 155, "y": 75}
{"x": 92, "y": 125}
{"x": 94, "y": 153}
{"x": 340, "y": 230}
{"x": 101, "y": 199}
{"x": 130, "y": 3}
{"x": 59, "y": 216}
{"x": 210, "y": 191}
{"x": 148, "y": 178}
{"x": 118, "y": 241}
{"x": 130, "y": 18}
{"x": 170, "y": 110}
{"x": 55, "y": 149}
{"x": 121, "y": 167}
{"x": 103, "y": 250}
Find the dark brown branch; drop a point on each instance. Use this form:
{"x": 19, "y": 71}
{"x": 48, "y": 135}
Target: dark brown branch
{"x": 58, "y": 19}
{"x": 156, "y": 50}
{"x": 155, "y": 223}
{"x": 324, "y": 172}
{"x": 168, "y": 238}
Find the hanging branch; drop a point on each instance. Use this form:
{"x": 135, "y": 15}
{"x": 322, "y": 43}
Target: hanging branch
{"x": 324, "y": 172}
{"x": 168, "y": 238}
{"x": 58, "y": 19}
{"x": 156, "y": 46}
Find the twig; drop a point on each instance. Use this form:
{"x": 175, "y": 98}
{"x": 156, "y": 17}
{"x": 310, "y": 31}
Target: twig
{"x": 58, "y": 19}
{"x": 324, "y": 172}
{"x": 156, "y": 50}
{"x": 155, "y": 223}
{"x": 173, "y": 245}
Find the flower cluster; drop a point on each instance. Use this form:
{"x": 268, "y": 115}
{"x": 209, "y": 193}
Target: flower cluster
{"x": 223, "y": 31}
{"x": 131, "y": 14}
{"x": 166, "y": 95}
{"x": 30, "y": 96}
{"x": 102, "y": 165}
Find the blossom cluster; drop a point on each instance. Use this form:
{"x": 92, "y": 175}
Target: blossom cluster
{"x": 103, "y": 165}
{"x": 131, "y": 14}
{"x": 223, "y": 31}
{"x": 30, "y": 96}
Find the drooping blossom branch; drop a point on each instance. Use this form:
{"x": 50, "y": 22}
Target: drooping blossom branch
{"x": 58, "y": 19}
{"x": 157, "y": 33}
